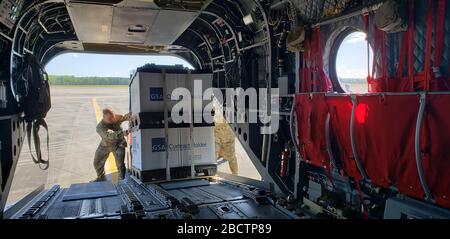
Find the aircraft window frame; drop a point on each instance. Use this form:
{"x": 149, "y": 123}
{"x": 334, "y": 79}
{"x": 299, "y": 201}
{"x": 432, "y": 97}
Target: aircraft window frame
{"x": 334, "y": 51}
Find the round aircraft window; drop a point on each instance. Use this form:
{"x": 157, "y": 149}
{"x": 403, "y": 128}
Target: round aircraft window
{"x": 353, "y": 60}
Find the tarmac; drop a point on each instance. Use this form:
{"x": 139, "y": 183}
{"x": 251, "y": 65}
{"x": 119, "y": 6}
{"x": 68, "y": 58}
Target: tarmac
{"x": 73, "y": 140}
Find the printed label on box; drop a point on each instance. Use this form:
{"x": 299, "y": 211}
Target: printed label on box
{"x": 158, "y": 144}
{"x": 156, "y": 94}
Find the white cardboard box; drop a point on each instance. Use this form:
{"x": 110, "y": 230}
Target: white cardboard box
{"x": 147, "y": 90}
{"x": 148, "y": 148}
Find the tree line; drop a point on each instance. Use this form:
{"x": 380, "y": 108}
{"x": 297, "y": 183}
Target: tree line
{"x": 353, "y": 80}
{"x": 90, "y": 80}
{"x": 95, "y": 80}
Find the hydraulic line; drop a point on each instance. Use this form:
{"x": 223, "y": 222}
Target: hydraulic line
{"x": 418, "y": 151}
{"x": 352, "y": 139}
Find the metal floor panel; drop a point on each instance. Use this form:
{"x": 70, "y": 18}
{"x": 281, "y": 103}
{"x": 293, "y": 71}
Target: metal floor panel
{"x": 255, "y": 211}
{"x": 184, "y": 184}
{"x": 224, "y": 192}
{"x": 132, "y": 199}
{"x": 149, "y": 201}
{"x": 196, "y": 195}
{"x": 165, "y": 214}
{"x": 222, "y": 211}
{"x": 242, "y": 209}
{"x": 59, "y": 209}
{"x": 89, "y": 191}
{"x": 85, "y": 208}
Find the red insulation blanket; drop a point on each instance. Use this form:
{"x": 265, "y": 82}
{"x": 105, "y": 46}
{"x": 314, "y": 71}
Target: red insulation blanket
{"x": 312, "y": 111}
{"x": 385, "y": 138}
{"x": 436, "y": 147}
{"x": 384, "y": 133}
{"x": 340, "y": 108}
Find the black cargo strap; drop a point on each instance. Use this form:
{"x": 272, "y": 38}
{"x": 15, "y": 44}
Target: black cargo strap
{"x": 35, "y": 126}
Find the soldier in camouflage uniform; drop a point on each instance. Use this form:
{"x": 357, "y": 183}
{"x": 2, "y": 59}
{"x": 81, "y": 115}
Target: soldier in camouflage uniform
{"x": 113, "y": 141}
{"x": 225, "y": 141}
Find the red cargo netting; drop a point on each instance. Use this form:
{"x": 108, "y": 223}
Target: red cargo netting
{"x": 313, "y": 77}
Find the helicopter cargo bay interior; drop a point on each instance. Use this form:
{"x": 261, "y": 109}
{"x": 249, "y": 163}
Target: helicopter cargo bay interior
{"x": 224, "y": 109}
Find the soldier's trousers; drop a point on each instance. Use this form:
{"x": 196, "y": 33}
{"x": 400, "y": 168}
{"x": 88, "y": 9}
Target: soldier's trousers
{"x": 101, "y": 155}
{"x": 227, "y": 152}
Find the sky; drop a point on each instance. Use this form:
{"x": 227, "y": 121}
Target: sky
{"x": 351, "y": 60}
{"x": 84, "y": 64}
